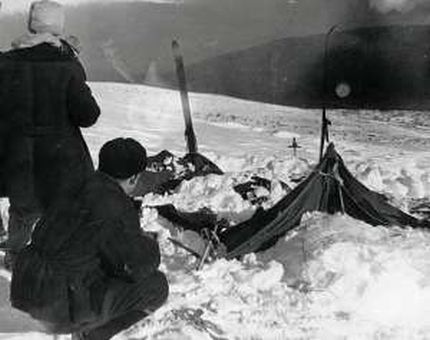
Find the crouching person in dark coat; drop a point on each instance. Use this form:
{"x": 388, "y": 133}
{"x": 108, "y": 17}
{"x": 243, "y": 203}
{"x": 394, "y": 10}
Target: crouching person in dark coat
{"x": 90, "y": 269}
{"x": 44, "y": 102}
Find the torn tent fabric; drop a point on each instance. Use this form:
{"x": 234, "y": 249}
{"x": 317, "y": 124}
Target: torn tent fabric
{"x": 330, "y": 188}
{"x": 165, "y": 172}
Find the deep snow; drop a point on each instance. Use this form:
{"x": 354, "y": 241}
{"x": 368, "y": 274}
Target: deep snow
{"x": 333, "y": 277}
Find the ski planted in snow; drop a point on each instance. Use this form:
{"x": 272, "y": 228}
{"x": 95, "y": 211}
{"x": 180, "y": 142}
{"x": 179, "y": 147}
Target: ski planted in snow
{"x": 190, "y": 137}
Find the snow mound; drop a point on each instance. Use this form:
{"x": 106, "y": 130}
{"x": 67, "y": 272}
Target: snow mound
{"x": 401, "y": 180}
{"x": 375, "y": 277}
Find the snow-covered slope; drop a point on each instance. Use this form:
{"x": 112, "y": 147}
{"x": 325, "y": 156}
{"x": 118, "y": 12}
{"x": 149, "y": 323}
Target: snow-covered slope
{"x": 333, "y": 278}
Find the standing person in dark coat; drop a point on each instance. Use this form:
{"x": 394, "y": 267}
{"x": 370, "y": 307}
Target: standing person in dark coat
{"x": 44, "y": 101}
{"x": 90, "y": 269}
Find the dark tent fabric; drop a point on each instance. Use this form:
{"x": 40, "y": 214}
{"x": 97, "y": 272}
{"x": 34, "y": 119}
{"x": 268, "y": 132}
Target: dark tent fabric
{"x": 166, "y": 172}
{"x": 195, "y": 221}
{"x": 329, "y": 188}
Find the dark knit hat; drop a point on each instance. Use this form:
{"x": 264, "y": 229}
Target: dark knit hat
{"x": 122, "y": 158}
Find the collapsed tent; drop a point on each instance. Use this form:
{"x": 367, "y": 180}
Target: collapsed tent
{"x": 330, "y": 188}
{"x": 165, "y": 172}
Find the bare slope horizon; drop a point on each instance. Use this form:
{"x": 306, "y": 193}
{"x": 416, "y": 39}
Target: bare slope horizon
{"x": 137, "y": 35}
{"x": 375, "y": 67}
{"x": 130, "y": 41}
{"x": 141, "y": 31}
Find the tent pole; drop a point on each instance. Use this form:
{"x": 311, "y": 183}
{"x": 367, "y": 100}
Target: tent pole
{"x": 324, "y": 121}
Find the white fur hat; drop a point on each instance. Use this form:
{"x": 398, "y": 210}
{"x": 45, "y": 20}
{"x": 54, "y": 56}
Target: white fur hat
{"x": 46, "y": 16}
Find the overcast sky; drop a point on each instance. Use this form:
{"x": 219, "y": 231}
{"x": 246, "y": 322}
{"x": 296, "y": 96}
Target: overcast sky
{"x": 9, "y": 6}
{"x": 383, "y": 6}
{"x": 292, "y": 17}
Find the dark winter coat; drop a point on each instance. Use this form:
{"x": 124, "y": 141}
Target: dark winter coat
{"x": 43, "y": 101}
{"x": 61, "y": 277}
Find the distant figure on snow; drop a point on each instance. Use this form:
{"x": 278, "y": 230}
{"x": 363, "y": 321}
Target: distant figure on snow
{"x": 90, "y": 269}
{"x": 294, "y": 145}
{"x": 44, "y": 101}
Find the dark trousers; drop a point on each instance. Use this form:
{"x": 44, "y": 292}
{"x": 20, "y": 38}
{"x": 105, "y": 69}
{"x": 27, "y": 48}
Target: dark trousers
{"x": 24, "y": 209}
{"x": 21, "y": 222}
{"x": 23, "y": 214}
{"x": 2, "y": 228}
{"x": 126, "y": 303}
